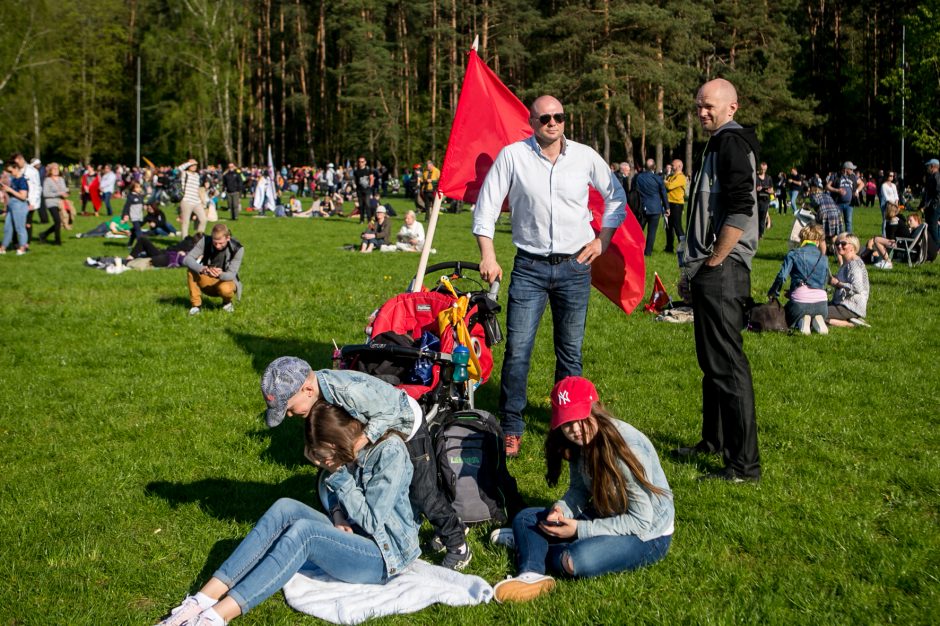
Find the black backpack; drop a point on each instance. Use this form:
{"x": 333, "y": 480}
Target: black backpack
{"x": 471, "y": 461}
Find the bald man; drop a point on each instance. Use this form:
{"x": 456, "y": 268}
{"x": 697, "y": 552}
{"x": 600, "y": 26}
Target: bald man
{"x": 721, "y": 241}
{"x": 545, "y": 178}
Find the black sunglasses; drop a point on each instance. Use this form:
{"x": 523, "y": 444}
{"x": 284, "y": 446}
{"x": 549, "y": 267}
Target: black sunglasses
{"x": 547, "y": 117}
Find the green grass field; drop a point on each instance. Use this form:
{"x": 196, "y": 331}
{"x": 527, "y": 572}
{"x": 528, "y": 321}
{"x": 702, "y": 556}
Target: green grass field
{"x": 133, "y": 454}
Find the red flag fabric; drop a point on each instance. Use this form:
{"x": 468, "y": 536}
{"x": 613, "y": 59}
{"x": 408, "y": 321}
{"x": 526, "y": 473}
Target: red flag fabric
{"x": 619, "y": 273}
{"x": 659, "y": 299}
{"x": 489, "y": 116}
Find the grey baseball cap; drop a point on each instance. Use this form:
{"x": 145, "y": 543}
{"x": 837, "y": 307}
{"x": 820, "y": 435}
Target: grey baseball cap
{"x": 281, "y": 380}
{"x": 848, "y": 165}
{"x": 932, "y": 162}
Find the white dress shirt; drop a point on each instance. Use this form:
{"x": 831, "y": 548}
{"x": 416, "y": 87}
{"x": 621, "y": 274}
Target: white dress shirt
{"x": 889, "y": 192}
{"x": 34, "y": 187}
{"x": 549, "y": 202}
{"x": 108, "y": 179}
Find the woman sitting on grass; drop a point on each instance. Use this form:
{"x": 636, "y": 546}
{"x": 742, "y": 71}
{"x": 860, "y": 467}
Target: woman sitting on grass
{"x": 617, "y": 514}
{"x": 808, "y": 272}
{"x": 379, "y": 539}
{"x": 850, "y": 300}
{"x": 378, "y": 233}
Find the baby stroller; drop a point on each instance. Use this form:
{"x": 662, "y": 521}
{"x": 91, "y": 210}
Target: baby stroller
{"x": 412, "y": 338}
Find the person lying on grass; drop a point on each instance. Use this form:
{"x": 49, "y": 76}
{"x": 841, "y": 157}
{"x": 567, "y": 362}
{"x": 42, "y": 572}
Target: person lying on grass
{"x": 617, "y": 514}
{"x": 291, "y": 387}
{"x": 117, "y": 226}
{"x": 378, "y": 540}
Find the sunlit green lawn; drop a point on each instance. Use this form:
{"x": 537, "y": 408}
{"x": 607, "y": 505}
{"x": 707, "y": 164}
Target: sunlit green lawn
{"x": 133, "y": 455}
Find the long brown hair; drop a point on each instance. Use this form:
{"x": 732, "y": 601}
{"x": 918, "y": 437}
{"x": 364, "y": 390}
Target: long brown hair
{"x": 608, "y": 485}
{"x": 330, "y": 425}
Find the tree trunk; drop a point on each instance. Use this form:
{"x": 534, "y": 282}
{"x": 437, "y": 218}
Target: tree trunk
{"x": 689, "y": 138}
{"x": 660, "y": 108}
{"x": 625, "y": 137}
{"x": 432, "y": 69}
{"x": 36, "y": 143}
{"x": 308, "y": 119}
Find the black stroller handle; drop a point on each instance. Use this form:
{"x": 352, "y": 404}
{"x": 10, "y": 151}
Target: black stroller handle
{"x": 458, "y": 267}
{"x": 395, "y": 350}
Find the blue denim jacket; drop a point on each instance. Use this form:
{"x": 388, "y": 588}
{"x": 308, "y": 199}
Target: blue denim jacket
{"x": 377, "y": 404}
{"x": 648, "y": 515}
{"x": 374, "y": 496}
{"x": 805, "y": 265}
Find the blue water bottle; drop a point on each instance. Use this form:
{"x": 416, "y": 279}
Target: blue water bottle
{"x": 460, "y": 356}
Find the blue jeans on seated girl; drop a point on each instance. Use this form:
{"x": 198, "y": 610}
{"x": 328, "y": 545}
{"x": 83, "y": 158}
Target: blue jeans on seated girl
{"x": 288, "y": 535}
{"x": 796, "y": 310}
{"x": 594, "y": 556}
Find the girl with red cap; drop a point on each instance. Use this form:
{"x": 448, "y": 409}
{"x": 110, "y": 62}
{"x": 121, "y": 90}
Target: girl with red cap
{"x": 617, "y": 514}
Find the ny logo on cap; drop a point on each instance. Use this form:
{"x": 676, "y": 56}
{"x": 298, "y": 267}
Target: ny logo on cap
{"x": 563, "y": 397}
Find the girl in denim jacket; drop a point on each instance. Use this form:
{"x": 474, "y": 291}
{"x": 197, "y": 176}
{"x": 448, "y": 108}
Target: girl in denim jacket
{"x": 617, "y": 514}
{"x": 370, "y": 482}
{"x": 806, "y": 266}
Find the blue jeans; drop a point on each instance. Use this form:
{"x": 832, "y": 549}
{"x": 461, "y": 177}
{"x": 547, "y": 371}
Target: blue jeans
{"x": 106, "y": 199}
{"x": 846, "y": 208}
{"x": 652, "y": 225}
{"x": 566, "y": 287}
{"x": 288, "y": 535}
{"x": 794, "y": 194}
{"x": 594, "y": 556}
{"x": 17, "y": 211}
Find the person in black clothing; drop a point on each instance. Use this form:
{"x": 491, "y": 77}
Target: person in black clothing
{"x": 156, "y": 220}
{"x": 363, "y": 177}
{"x": 931, "y": 199}
{"x": 172, "y": 256}
{"x": 765, "y": 187}
{"x": 234, "y": 186}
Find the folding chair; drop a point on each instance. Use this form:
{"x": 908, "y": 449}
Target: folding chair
{"x": 914, "y": 248}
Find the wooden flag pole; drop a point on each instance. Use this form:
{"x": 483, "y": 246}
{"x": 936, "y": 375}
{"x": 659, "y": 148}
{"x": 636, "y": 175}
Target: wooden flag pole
{"x": 428, "y": 240}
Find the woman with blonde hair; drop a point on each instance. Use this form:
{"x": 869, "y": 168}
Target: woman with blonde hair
{"x": 808, "y": 271}
{"x": 849, "y": 304}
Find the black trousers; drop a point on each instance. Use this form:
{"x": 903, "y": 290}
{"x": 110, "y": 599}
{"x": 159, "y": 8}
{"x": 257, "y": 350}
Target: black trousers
{"x": 157, "y": 256}
{"x": 729, "y": 422}
{"x": 425, "y": 494}
{"x": 55, "y": 229}
{"x": 763, "y": 207}
{"x": 674, "y": 225}
{"x": 365, "y": 206}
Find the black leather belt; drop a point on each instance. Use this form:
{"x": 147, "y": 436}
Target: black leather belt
{"x": 553, "y": 259}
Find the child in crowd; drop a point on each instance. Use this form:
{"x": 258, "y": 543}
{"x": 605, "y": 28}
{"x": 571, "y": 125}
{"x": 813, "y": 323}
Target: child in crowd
{"x": 134, "y": 211}
{"x": 808, "y": 272}
{"x": 618, "y": 512}
{"x": 291, "y": 387}
{"x": 368, "y": 479}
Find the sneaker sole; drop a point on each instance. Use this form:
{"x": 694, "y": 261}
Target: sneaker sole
{"x": 458, "y": 565}
{"x": 518, "y": 591}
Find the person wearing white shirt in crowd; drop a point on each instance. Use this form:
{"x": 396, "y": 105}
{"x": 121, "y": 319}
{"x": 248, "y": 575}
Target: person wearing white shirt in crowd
{"x": 108, "y": 179}
{"x": 264, "y": 199}
{"x": 546, "y": 179}
{"x": 411, "y": 234}
{"x": 889, "y": 193}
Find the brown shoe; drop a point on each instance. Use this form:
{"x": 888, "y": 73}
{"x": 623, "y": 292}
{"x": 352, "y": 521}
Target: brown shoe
{"x": 523, "y": 587}
{"x": 513, "y": 443}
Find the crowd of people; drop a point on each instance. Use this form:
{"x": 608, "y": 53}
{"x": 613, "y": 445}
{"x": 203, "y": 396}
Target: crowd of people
{"x": 371, "y": 440}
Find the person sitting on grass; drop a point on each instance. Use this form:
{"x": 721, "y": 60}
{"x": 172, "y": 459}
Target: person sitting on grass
{"x": 411, "y": 235}
{"x": 808, "y": 272}
{"x": 849, "y": 303}
{"x": 117, "y": 226}
{"x": 617, "y": 514}
{"x": 378, "y": 232}
{"x": 376, "y": 540}
{"x": 213, "y": 269}
{"x": 156, "y": 221}
{"x": 291, "y": 387}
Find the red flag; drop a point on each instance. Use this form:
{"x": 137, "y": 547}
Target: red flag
{"x": 659, "y": 299}
{"x": 489, "y": 116}
{"x": 619, "y": 273}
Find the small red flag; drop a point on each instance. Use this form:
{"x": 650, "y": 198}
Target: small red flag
{"x": 659, "y": 299}
{"x": 489, "y": 116}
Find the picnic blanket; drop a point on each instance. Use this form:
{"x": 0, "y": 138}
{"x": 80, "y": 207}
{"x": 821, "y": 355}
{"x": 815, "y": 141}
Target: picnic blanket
{"x": 420, "y": 585}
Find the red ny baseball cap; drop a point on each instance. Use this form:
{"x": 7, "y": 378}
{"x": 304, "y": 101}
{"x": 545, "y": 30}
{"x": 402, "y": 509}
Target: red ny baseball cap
{"x": 572, "y": 399}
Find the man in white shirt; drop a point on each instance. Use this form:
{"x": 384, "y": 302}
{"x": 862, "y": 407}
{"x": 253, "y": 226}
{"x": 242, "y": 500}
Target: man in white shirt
{"x": 546, "y": 179}
{"x": 34, "y": 190}
{"x": 108, "y": 179}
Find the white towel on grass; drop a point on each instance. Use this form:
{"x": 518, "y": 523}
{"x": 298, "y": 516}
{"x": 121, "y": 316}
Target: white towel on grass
{"x": 314, "y": 592}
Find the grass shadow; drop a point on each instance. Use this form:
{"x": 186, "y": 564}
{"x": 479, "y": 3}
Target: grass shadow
{"x": 263, "y": 350}
{"x": 177, "y": 302}
{"x": 220, "y": 551}
{"x": 665, "y": 444}
{"x": 285, "y": 443}
{"x": 234, "y": 500}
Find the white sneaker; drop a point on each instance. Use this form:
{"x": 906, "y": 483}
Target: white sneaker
{"x": 522, "y": 588}
{"x": 860, "y": 322}
{"x": 503, "y": 537}
{"x": 805, "y": 327}
{"x": 183, "y": 614}
{"x": 229, "y": 308}
{"x": 884, "y": 264}
{"x": 819, "y": 325}
{"x": 20, "y": 252}
{"x": 194, "y": 311}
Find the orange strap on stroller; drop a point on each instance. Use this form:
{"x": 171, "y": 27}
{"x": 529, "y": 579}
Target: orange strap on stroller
{"x": 454, "y": 317}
